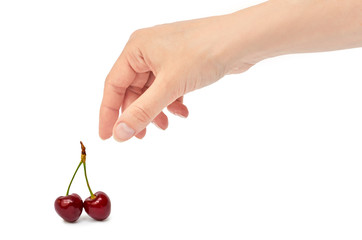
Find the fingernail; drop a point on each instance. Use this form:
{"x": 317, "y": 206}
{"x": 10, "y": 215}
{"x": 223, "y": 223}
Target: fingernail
{"x": 157, "y": 126}
{"x": 123, "y": 132}
{"x": 179, "y": 115}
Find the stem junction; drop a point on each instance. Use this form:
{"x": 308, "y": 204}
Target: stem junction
{"x": 83, "y": 159}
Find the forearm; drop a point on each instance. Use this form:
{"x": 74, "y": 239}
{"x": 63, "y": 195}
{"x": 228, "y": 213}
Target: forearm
{"x": 280, "y": 27}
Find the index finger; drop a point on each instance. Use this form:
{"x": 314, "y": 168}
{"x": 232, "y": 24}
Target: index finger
{"x": 118, "y": 80}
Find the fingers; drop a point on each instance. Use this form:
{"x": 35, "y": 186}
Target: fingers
{"x": 161, "y": 121}
{"x": 130, "y": 96}
{"x": 143, "y": 110}
{"x": 178, "y": 108}
{"x": 119, "y": 78}
{"x": 141, "y": 134}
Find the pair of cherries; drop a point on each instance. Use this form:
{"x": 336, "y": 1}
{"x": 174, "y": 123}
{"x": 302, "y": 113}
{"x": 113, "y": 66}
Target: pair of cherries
{"x": 70, "y": 207}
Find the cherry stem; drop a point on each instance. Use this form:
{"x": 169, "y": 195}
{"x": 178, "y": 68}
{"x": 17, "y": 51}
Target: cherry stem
{"x": 85, "y": 174}
{"x": 83, "y": 158}
{"x": 73, "y": 177}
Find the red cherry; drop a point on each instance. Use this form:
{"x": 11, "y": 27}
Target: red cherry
{"x": 99, "y": 207}
{"x": 69, "y": 207}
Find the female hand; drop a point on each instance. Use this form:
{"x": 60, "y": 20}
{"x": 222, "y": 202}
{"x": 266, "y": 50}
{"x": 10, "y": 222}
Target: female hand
{"x": 159, "y": 65}
{"x": 156, "y": 68}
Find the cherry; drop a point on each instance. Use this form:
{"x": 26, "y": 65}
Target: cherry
{"x": 98, "y": 205}
{"x": 69, "y": 207}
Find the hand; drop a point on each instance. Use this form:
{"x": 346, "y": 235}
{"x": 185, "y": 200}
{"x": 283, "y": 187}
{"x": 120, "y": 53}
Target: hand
{"x": 159, "y": 65}
{"x": 156, "y": 68}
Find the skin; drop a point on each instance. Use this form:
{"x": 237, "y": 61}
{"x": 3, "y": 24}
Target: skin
{"x": 160, "y": 64}
{"x": 98, "y": 208}
{"x": 69, "y": 207}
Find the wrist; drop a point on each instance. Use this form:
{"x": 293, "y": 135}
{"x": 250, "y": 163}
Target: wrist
{"x": 250, "y": 37}
{"x": 279, "y": 27}
{"x": 260, "y": 32}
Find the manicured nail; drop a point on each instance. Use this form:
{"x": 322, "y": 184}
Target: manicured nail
{"x": 123, "y": 132}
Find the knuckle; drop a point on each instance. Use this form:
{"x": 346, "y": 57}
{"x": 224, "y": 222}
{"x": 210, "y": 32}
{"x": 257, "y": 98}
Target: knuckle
{"x": 137, "y": 34}
{"x": 141, "y": 115}
{"x": 115, "y": 87}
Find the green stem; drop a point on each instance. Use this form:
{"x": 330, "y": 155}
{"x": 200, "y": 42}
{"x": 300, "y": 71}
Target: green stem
{"x": 86, "y": 178}
{"x": 73, "y": 177}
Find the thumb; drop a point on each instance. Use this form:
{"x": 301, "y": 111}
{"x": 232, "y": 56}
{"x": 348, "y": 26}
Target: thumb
{"x": 143, "y": 110}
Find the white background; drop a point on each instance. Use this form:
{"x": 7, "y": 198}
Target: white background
{"x": 274, "y": 153}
